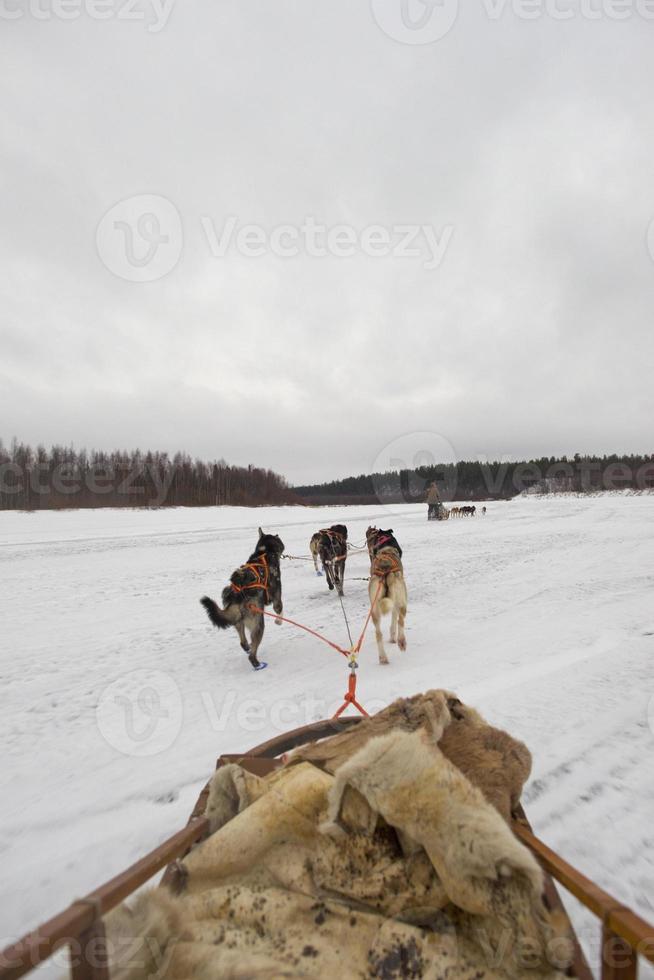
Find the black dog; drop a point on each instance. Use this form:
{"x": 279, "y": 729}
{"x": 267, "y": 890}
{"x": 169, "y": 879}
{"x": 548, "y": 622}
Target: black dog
{"x": 330, "y": 545}
{"x": 253, "y": 586}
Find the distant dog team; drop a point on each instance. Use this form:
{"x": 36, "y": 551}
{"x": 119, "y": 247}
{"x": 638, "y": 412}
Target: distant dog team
{"x": 465, "y": 511}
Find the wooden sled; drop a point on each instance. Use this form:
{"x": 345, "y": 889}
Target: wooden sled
{"x": 625, "y": 935}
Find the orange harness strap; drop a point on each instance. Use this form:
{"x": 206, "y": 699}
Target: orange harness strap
{"x": 334, "y": 534}
{"x": 359, "y": 644}
{"x": 351, "y": 697}
{"x": 260, "y": 577}
{"x": 351, "y": 655}
{"x": 319, "y": 636}
{"x": 386, "y": 564}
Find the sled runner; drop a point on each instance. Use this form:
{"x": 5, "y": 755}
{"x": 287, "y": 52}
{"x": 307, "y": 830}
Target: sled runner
{"x": 82, "y": 925}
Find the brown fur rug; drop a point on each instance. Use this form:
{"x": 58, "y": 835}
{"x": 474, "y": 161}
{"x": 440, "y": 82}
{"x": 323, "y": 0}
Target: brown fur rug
{"x": 492, "y": 760}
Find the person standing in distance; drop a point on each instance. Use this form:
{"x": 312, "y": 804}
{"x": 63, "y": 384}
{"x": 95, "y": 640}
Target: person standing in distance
{"x": 433, "y": 501}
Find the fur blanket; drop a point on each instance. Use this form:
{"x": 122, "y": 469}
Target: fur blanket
{"x": 492, "y": 760}
{"x": 393, "y": 865}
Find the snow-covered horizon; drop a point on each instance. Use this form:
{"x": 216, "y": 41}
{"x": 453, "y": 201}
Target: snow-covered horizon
{"x": 119, "y": 696}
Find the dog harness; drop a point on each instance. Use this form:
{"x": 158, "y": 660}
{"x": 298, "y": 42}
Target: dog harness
{"x": 332, "y": 534}
{"x": 385, "y": 563}
{"x": 259, "y": 569}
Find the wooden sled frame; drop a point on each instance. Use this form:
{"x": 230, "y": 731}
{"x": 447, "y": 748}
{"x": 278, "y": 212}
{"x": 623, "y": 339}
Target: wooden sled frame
{"x": 625, "y": 935}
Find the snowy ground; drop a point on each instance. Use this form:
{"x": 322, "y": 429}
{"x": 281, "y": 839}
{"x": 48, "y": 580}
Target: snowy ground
{"x": 118, "y": 695}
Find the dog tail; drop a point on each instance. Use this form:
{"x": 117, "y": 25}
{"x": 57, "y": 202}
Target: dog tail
{"x": 396, "y": 598}
{"x": 219, "y": 617}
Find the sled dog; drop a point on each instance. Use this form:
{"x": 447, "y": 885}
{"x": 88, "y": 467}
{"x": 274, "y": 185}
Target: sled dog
{"x": 330, "y": 545}
{"x": 253, "y": 586}
{"x": 387, "y": 589}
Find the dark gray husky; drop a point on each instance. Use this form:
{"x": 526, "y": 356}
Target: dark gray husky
{"x": 253, "y": 586}
{"x": 330, "y": 545}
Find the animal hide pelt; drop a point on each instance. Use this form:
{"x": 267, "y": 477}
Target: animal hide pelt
{"x": 498, "y": 764}
{"x": 383, "y": 861}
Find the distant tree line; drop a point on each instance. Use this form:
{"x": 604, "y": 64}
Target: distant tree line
{"x": 483, "y": 481}
{"x": 61, "y": 477}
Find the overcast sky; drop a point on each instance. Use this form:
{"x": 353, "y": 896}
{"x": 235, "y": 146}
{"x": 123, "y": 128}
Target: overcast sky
{"x": 523, "y": 324}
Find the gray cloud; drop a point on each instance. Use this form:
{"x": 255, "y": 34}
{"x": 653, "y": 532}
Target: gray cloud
{"x": 533, "y": 140}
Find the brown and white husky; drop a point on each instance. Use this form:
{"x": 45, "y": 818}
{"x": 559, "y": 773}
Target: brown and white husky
{"x": 387, "y": 588}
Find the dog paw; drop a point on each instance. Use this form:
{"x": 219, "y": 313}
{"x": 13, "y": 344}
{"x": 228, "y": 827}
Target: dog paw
{"x": 392, "y": 639}
{"x": 278, "y": 621}
{"x": 383, "y": 660}
{"x": 402, "y": 644}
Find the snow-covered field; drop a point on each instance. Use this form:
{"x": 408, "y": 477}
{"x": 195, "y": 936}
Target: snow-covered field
{"x": 117, "y": 695}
